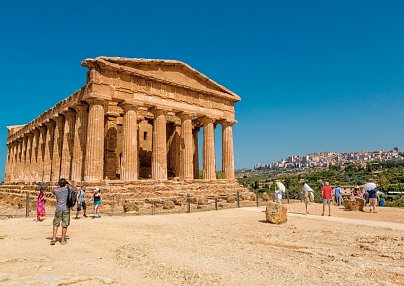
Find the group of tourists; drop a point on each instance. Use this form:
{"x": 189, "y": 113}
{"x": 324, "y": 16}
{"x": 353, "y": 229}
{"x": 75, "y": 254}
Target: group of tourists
{"x": 65, "y": 203}
{"x": 370, "y": 196}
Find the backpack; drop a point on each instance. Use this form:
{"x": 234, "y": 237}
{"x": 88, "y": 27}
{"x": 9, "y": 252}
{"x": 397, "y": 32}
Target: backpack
{"x": 71, "y": 198}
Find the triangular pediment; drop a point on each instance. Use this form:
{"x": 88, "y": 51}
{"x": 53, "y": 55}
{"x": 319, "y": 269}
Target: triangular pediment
{"x": 171, "y": 71}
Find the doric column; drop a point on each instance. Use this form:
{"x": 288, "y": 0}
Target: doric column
{"x": 67, "y": 144}
{"x": 8, "y": 163}
{"x": 29, "y": 168}
{"x": 80, "y": 138}
{"x": 129, "y": 160}
{"x": 227, "y": 151}
{"x": 47, "y": 171}
{"x": 186, "y": 149}
{"x": 209, "y": 164}
{"x": 159, "y": 152}
{"x": 34, "y": 174}
{"x": 94, "y": 162}
{"x": 24, "y": 165}
{"x": 57, "y": 148}
{"x": 17, "y": 159}
{"x": 195, "y": 133}
{"x": 41, "y": 152}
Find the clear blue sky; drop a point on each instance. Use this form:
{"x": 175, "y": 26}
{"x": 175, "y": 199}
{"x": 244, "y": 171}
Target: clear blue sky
{"x": 312, "y": 75}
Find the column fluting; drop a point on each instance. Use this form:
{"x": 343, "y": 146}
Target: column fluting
{"x": 159, "y": 152}
{"x": 57, "y": 148}
{"x": 79, "y": 147}
{"x": 227, "y": 151}
{"x": 47, "y": 165}
{"x": 186, "y": 149}
{"x": 209, "y": 163}
{"x": 67, "y": 145}
{"x": 129, "y": 161}
{"x": 94, "y": 162}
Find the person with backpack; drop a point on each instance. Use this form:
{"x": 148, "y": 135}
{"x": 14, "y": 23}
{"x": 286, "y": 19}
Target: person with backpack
{"x": 65, "y": 196}
{"x": 81, "y": 201}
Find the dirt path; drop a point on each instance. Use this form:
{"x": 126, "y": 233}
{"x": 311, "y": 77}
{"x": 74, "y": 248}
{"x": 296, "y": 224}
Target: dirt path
{"x": 229, "y": 247}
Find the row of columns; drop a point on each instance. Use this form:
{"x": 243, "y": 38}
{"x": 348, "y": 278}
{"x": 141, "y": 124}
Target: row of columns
{"x": 71, "y": 145}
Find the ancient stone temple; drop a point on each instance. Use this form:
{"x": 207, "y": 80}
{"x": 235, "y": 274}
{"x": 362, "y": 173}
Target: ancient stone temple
{"x": 135, "y": 122}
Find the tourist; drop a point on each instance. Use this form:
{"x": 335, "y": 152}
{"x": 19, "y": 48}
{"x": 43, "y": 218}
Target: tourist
{"x": 40, "y": 204}
{"x": 326, "y": 193}
{"x": 62, "y": 212}
{"x": 81, "y": 201}
{"x": 308, "y": 196}
{"x": 97, "y": 202}
{"x": 279, "y": 192}
{"x": 338, "y": 196}
{"x": 381, "y": 201}
{"x": 373, "y": 196}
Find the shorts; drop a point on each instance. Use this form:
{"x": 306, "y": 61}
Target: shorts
{"x": 81, "y": 205}
{"x": 97, "y": 203}
{"x": 372, "y": 202}
{"x": 327, "y": 202}
{"x": 61, "y": 217}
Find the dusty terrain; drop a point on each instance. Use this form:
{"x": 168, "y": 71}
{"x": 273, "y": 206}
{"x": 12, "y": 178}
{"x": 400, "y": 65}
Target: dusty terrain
{"x": 227, "y": 247}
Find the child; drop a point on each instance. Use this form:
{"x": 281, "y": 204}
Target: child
{"x": 40, "y": 205}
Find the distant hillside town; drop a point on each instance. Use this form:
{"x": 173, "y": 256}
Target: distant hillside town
{"x": 326, "y": 159}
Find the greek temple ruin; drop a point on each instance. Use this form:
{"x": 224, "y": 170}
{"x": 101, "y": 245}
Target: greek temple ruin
{"x": 135, "y": 122}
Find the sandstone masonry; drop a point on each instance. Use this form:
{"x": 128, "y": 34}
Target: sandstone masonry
{"x": 135, "y": 120}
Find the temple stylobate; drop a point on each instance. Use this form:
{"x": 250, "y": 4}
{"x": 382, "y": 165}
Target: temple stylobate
{"x": 135, "y": 119}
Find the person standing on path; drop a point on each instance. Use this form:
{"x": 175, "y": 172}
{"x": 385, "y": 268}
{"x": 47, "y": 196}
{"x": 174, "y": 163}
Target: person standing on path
{"x": 97, "y": 202}
{"x": 326, "y": 193}
{"x": 308, "y": 196}
{"x": 62, "y": 212}
{"x": 81, "y": 201}
{"x": 373, "y": 200}
{"x": 40, "y": 205}
{"x": 338, "y": 196}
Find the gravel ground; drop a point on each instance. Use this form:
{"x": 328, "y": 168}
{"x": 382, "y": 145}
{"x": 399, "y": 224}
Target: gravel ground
{"x": 228, "y": 247}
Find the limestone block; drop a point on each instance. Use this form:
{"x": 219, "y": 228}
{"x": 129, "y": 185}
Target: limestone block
{"x": 351, "y": 205}
{"x": 203, "y": 201}
{"x": 168, "y": 205}
{"x": 230, "y": 199}
{"x": 179, "y": 201}
{"x": 361, "y": 203}
{"x": 276, "y": 213}
{"x": 265, "y": 197}
{"x": 130, "y": 207}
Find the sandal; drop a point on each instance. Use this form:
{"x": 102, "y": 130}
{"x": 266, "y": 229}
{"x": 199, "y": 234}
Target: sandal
{"x": 52, "y": 242}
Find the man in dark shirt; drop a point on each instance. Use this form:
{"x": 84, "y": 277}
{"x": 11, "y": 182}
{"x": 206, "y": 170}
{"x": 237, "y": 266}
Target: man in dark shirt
{"x": 62, "y": 212}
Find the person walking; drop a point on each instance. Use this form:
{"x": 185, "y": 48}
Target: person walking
{"x": 62, "y": 212}
{"x": 326, "y": 193}
{"x": 40, "y": 205}
{"x": 97, "y": 202}
{"x": 81, "y": 201}
{"x": 338, "y": 196}
{"x": 308, "y": 196}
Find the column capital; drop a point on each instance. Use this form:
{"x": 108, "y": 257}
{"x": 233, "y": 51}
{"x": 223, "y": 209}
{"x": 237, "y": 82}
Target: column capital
{"x": 227, "y": 123}
{"x": 128, "y": 105}
{"x": 207, "y": 120}
{"x": 58, "y": 119}
{"x": 48, "y": 123}
{"x": 95, "y": 101}
{"x": 158, "y": 111}
{"x": 80, "y": 107}
{"x": 185, "y": 115}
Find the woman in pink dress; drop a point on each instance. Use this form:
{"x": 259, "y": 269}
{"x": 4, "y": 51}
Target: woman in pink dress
{"x": 40, "y": 205}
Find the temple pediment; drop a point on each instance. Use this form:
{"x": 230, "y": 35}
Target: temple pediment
{"x": 166, "y": 71}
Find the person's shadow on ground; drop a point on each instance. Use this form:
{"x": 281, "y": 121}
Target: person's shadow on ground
{"x": 58, "y": 239}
